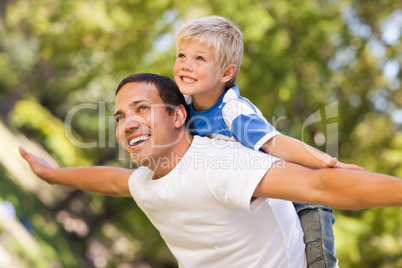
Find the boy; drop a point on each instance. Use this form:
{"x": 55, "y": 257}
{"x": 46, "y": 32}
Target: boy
{"x": 209, "y": 55}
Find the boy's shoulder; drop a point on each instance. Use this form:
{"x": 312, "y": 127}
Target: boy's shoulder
{"x": 232, "y": 98}
{"x": 232, "y": 93}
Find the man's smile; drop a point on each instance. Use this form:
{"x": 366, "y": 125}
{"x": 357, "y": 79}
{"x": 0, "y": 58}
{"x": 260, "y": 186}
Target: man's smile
{"x": 136, "y": 141}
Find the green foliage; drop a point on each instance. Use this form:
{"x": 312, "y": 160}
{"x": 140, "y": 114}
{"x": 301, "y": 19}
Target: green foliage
{"x": 300, "y": 58}
{"x": 53, "y": 244}
{"x": 36, "y": 120}
{"x": 369, "y": 240}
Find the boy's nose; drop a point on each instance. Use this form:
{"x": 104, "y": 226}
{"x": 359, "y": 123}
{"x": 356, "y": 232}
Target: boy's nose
{"x": 187, "y": 65}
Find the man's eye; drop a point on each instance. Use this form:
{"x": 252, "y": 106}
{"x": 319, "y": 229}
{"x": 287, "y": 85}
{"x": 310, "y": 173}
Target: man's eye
{"x": 119, "y": 118}
{"x": 142, "y": 108}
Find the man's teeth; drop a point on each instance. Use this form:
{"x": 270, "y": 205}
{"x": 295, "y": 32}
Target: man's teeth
{"x": 187, "y": 79}
{"x": 138, "y": 140}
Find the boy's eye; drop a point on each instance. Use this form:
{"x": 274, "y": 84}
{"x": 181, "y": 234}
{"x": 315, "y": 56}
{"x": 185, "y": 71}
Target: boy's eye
{"x": 119, "y": 118}
{"x": 181, "y": 56}
{"x": 199, "y": 58}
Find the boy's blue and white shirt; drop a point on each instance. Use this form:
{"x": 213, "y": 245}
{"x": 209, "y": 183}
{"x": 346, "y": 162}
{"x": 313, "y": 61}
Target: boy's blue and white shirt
{"x": 234, "y": 118}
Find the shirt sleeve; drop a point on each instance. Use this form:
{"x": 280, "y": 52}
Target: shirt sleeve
{"x": 247, "y": 125}
{"x": 237, "y": 174}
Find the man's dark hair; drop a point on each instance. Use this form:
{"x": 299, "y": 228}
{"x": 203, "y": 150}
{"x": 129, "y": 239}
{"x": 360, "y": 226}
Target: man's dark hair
{"x": 167, "y": 88}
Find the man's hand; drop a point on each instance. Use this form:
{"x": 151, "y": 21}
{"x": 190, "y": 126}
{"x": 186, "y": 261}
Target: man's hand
{"x": 110, "y": 181}
{"x": 38, "y": 165}
{"x": 334, "y": 163}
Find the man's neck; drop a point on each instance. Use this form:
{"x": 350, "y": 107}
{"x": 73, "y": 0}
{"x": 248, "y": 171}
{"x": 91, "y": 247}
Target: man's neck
{"x": 164, "y": 164}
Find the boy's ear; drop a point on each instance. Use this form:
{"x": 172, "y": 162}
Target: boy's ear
{"x": 228, "y": 73}
{"x": 180, "y": 115}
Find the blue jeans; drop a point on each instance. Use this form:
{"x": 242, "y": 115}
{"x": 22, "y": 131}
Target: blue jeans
{"x": 316, "y": 222}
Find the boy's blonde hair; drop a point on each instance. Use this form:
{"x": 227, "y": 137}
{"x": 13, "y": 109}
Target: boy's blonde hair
{"x": 219, "y": 34}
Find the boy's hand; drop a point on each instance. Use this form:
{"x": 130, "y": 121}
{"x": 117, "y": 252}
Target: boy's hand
{"x": 334, "y": 163}
{"x": 330, "y": 162}
{"x": 348, "y": 166}
{"x": 38, "y": 165}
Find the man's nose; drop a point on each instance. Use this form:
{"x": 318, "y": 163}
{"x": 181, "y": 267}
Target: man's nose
{"x": 132, "y": 123}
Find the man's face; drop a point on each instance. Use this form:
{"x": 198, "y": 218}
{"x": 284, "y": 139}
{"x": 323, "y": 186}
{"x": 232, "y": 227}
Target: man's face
{"x": 144, "y": 128}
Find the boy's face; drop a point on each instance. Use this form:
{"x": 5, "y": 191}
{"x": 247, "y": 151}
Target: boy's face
{"x": 144, "y": 128}
{"x": 195, "y": 71}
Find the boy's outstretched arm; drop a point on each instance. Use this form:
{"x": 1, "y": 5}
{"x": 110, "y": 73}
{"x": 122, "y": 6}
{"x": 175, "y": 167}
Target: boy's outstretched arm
{"x": 298, "y": 152}
{"x": 334, "y": 187}
{"x": 105, "y": 180}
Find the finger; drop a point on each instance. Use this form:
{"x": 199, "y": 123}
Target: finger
{"x": 23, "y": 153}
{"x": 351, "y": 166}
{"x": 359, "y": 167}
{"x": 26, "y": 155}
{"x": 333, "y": 162}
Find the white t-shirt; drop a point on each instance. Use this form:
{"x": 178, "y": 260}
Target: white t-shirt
{"x": 203, "y": 212}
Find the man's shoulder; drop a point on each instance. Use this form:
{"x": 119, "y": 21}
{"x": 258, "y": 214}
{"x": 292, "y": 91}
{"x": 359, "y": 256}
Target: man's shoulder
{"x": 207, "y": 142}
{"x": 214, "y": 145}
{"x": 141, "y": 172}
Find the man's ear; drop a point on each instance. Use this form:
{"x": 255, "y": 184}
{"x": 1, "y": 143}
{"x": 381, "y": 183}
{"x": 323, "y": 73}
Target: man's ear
{"x": 228, "y": 73}
{"x": 180, "y": 115}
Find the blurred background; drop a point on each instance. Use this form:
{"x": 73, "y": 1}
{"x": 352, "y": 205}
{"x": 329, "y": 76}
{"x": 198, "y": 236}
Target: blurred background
{"x": 324, "y": 71}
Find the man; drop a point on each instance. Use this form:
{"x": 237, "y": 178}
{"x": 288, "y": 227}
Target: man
{"x": 216, "y": 204}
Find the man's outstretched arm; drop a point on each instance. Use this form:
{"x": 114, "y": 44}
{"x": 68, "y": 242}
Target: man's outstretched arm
{"x": 110, "y": 181}
{"x": 338, "y": 188}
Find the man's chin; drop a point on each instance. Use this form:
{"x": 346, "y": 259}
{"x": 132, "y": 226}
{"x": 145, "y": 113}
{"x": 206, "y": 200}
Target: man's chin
{"x": 140, "y": 160}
